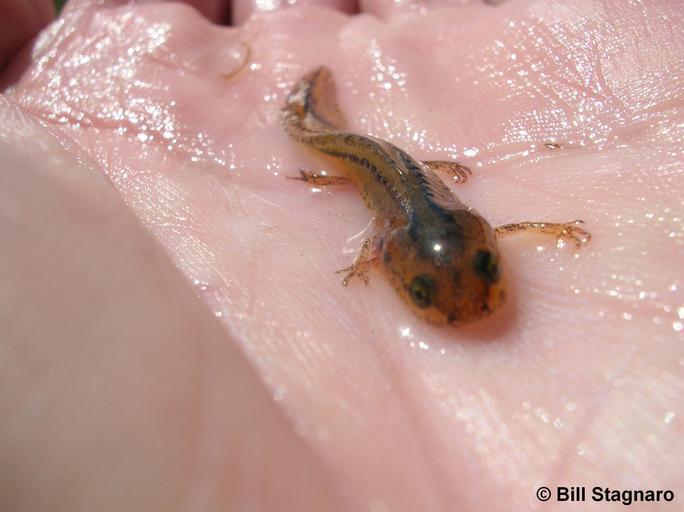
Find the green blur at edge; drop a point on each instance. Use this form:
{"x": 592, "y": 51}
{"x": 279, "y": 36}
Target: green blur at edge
{"x": 59, "y": 4}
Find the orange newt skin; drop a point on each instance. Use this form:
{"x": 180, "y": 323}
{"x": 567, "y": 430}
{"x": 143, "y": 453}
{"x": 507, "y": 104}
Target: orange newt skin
{"x": 440, "y": 255}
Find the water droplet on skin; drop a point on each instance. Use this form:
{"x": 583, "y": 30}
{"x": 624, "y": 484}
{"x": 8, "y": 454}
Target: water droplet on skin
{"x": 543, "y": 415}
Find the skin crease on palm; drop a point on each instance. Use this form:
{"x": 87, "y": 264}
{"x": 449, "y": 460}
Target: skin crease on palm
{"x": 173, "y": 334}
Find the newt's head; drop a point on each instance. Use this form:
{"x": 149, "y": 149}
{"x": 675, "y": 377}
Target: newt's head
{"x": 449, "y": 272}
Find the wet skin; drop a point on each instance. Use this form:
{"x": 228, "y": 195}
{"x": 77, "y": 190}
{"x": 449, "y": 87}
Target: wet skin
{"x": 277, "y": 389}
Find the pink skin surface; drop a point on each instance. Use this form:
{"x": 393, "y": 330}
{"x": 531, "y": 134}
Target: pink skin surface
{"x": 134, "y": 179}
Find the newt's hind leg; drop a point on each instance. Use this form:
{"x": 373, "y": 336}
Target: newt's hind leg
{"x": 567, "y": 230}
{"x": 459, "y": 172}
{"x": 320, "y": 180}
{"x": 359, "y": 268}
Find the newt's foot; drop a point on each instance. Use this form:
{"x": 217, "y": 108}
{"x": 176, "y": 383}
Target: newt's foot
{"x": 459, "y": 172}
{"x": 360, "y": 271}
{"x": 569, "y": 230}
{"x": 361, "y": 263}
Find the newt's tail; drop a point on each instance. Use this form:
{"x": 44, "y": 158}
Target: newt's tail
{"x": 311, "y": 107}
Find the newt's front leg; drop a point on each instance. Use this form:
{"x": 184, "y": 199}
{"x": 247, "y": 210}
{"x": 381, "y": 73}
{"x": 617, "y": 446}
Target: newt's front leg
{"x": 359, "y": 268}
{"x": 567, "y": 230}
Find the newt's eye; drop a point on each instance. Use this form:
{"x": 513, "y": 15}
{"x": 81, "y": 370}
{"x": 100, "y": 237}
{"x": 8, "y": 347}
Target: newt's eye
{"x": 486, "y": 266}
{"x": 421, "y": 289}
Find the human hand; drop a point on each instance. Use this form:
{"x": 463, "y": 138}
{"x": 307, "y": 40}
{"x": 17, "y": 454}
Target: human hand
{"x": 578, "y": 381}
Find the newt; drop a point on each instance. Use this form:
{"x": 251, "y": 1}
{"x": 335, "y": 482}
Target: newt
{"x": 441, "y": 255}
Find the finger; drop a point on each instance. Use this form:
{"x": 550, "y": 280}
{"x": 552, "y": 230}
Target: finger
{"x": 217, "y": 11}
{"x": 243, "y": 9}
{"x": 119, "y": 390}
{"x": 20, "y": 20}
{"x": 385, "y": 8}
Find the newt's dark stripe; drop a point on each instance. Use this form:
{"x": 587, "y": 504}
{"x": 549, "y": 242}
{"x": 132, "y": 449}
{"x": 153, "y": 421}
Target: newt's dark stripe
{"x": 425, "y": 186}
{"x": 380, "y": 177}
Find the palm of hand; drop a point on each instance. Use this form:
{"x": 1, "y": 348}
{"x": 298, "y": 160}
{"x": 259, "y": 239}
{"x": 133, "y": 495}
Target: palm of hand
{"x": 578, "y": 381}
